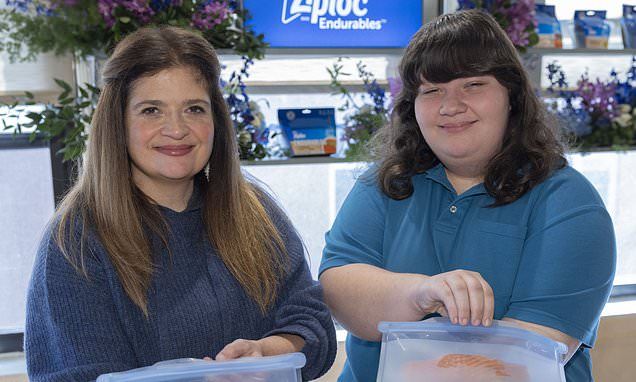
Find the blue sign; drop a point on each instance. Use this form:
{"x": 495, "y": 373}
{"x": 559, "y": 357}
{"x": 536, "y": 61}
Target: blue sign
{"x": 335, "y": 23}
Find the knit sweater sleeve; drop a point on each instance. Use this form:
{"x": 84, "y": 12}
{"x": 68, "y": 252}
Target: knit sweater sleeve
{"x": 301, "y": 309}
{"x": 72, "y": 330}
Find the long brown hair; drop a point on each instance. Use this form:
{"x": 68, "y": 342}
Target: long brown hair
{"x": 466, "y": 44}
{"x": 105, "y": 199}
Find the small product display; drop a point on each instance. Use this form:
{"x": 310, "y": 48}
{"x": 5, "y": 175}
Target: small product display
{"x": 591, "y": 31}
{"x": 281, "y": 368}
{"x": 436, "y": 350}
{"x": 628, "y": 26}
{"x": 309, "y": 131}
{"x": 548, "y": 27}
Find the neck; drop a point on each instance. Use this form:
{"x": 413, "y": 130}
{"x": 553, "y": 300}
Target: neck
{"x": 464, "y": 178}
{"x": 171, "y": 195}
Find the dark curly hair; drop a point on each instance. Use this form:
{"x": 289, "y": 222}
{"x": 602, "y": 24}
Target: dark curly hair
{"x": 458, "y": 45}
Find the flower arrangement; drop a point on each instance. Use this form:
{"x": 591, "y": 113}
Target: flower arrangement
{"x": 517, "y": 18}
{"x": 365, "y": 119}
{"x": 69, "y": 118}
{"x": 251, "y": 133}
{"x": 596, "y": 113}
{"x": 86, "y": 27}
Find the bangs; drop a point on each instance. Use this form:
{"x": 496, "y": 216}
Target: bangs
{"x": 442, "y": 63}
{"x": 455, "y": 47}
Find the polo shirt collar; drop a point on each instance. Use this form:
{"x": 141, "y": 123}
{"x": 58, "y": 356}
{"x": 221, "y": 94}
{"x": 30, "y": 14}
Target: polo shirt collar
{"x": 438, "y": 175}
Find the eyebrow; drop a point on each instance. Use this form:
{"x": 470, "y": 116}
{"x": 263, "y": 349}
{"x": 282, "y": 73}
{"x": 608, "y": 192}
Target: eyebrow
{"x": 155, "y": 102}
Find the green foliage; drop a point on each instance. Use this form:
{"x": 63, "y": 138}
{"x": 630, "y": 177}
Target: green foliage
{"x": 82, "y": 28}
{"x": 614, "y": 136}
{"x": 23, "y": 35}
{"x": 362, "y": 121}
{"x": 79, "y": 28}
{"x": 67, "y": 119}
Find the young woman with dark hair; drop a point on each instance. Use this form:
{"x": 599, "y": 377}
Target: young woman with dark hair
{"x": 471, "y": 211}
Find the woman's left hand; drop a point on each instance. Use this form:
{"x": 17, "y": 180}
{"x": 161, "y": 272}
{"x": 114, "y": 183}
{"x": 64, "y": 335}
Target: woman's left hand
{"x": 272, "y": 345}
{"x": 240, "y": 348}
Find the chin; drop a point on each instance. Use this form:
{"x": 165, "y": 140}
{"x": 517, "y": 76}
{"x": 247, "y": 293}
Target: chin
{"x": 177, "y": 175}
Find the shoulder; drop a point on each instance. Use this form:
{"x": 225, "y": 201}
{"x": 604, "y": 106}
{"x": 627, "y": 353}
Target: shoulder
{"x": 367, "y": 188}
{"x": 569, "y": 188}
{"x": 567, "y": 196}
{"x": 273, "y": 209}
{"x": 62, "y": 252}
{"x": 279, "y": 219}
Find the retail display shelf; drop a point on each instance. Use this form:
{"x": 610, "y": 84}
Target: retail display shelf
{"x": 581, "y": 51}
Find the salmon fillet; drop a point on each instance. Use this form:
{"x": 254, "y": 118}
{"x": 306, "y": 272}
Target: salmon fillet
{"x": 464, "y": 367}
{"x": 472, "y": 360}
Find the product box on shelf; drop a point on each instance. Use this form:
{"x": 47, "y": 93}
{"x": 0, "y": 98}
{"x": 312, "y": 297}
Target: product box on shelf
{"x": 309, "y": 131}
{"x": 281, "y": 368}
{"x": 548, "y": 27}
{"x": 590, "y": 29}
{"x": 628, "y": 26}
{"x": 440, "y": 351}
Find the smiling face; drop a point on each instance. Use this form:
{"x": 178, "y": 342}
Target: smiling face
{"x": 169, "y": 127}
{"x": 464, "y": 120}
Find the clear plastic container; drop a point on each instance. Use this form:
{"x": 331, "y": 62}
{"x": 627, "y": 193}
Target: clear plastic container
{"x": 281, "y": 368}
{"x": 436, "y": 350}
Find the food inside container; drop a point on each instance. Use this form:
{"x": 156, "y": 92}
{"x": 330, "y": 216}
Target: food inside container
{"x": 436, "y": 350}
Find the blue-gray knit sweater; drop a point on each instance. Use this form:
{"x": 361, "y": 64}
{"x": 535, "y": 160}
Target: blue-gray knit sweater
{"x": 79, "y": 328}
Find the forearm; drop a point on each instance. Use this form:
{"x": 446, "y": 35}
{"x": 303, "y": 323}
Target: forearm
{"x": 281, "y": 344}
{"x": 572, "y": 343}
{"x": 361, "y": 295}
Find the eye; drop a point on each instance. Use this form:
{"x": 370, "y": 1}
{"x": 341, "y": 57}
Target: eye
{"x": 149, "y": 110}
{"x": 475, "y": 84}
{"x": 196, "y": 109}
{"x": 428, "y": 91}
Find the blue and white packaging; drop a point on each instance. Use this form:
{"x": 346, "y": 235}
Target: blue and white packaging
{"x": 548, "y": 27}
{"x": 335, "y": 23}
{"x": 628, "y": 26}
{"x": 590, "y": 29}
{"x": 309, "y": 131}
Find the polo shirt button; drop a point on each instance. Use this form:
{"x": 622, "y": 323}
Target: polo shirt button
{"x": 453, "y": 209}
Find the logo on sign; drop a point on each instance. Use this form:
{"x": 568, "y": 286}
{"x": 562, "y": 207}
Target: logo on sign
{"x": 330, "y": 14}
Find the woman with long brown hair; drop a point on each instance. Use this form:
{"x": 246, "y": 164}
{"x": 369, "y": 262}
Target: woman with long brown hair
{"x": 471, "y": 211}
{"x": 162, "y": 249}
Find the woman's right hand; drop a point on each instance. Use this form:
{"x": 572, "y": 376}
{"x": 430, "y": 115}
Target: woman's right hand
{"x": 462, "y": 296}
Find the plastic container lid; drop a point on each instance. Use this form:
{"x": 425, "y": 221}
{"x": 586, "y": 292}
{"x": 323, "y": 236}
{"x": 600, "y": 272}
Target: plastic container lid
{"x": 446, "y": 352}
{"x": 281, "y": 368}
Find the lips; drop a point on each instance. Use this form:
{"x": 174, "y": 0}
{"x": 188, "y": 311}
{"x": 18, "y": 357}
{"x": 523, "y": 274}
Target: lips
{"x": 456, "y": 126}
{"x": 174, "y": 150}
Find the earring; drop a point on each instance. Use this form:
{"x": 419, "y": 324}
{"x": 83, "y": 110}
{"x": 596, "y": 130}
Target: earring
{"x": 206, "y": 171}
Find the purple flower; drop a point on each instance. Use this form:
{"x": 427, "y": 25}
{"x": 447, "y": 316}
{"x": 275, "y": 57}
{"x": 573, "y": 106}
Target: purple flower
{"x": 519, "y": 16}
{"x": 211, "y": 14}
{"x": 598, "y": 97}
{"x": 521, "y": 20}
{"x": 140, "y": 10}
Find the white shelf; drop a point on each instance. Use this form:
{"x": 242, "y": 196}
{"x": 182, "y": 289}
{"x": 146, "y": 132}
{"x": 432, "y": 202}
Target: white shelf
{"x": 580, "y": 51}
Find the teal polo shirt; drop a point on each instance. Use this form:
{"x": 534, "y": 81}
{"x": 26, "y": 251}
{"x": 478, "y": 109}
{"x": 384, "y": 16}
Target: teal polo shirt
{"x": 549, "y": 257}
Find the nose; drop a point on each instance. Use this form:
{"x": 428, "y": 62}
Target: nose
{"x": 452, "y": 104}
{"x": 175, "y": 127}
